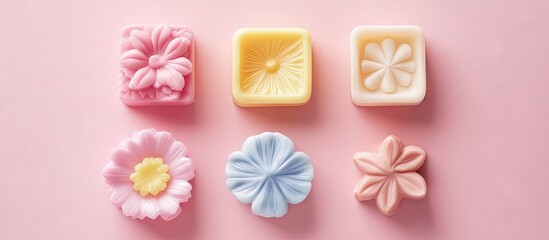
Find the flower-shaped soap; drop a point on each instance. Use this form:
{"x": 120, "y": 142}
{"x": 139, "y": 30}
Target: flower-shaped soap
{"x": 390, "y": 175}
{"x": 387, "y": 65}
{"x": 268, "y": 174}
{"x": 148, "y": 175}
{"x": 271, "y": 67}
{"x": 156, "y": 65}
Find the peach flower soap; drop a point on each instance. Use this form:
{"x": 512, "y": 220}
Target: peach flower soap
{"x": 148, "y": 175}
{"x": 271, "y": 67}
{"x": 156, "y": 65}
{"x": 390, "y": 175}
{"x": 387, "y": 65}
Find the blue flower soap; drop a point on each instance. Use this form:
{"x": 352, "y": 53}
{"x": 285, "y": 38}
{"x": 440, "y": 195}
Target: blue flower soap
{"x": 268, "y": 174}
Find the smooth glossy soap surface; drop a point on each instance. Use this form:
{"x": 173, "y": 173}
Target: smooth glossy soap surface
{"x": 268, "y": 174}
{"x": 390, "y": 175}
{"x": 156, "y": 65}
{"x": 148, "y": 175}
{"x": 387, "y": 65}
{"x": 271, "y": 67}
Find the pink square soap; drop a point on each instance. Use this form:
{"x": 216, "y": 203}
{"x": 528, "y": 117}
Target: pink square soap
{"x": 157, "y": 65}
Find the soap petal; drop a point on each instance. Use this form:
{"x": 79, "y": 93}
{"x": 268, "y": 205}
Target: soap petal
{"x": 143, "y": 78}
{"x": 160, "y": 37}
{"x": 182, "y": 168}
{"x": 132, "y": 206}
{"x": 410, "y": 160}
{"x": 390, "y": 149}
{"x": 163, "y": 142}
{"x": 403, "y": 52}
{"x": 141, "y": 41}
{"x": 408, "y": 66}
{"x": 170, "y": 77}
{"x": 268, "y": 149}
{"x": 180, "y": 190}
{"x": 368, "y": 187}
{"x": 369, "y": 66}
{"x": 412, "y": 185}
{"x": 373, "y": 52}
{"x": 297, "y": 167}
{"x": 168, "y": 205}
{"x": 373, "y": 81}
{"x": 245, "y": 189}
{"x": 269, "y": 202}
{"x": 182, "y": 65}
{"x": 176, "y": 48}
{"x": 176, "y": 150}
{"x": 150, "y": 208}
{"x": 169, "y": 217}
{"x": 371, "y": 163}
{"x": 404, "y": 78}
{"x": 294, "y": 190}
{"x": 388, "y": 83}
{"x": 134, "y": 59}
{"x": 115, "y": 174}
{"x": 120, "y": 193}
{"x": 241, "y": 166}
{"x": 388, "y": 198}
{"x": 389, "y": 48}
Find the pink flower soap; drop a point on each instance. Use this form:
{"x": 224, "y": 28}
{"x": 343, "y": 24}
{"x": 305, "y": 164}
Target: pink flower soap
{"x": 387, "y": 65}
{"x": 156, "y": 65}
{"x": 148, "y": 175}
{"x": 390, "y": 175}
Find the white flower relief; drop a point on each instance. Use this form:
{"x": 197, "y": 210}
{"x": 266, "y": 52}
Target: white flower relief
{"x": 385, "y": 65}
{"x": 268, "y": 174}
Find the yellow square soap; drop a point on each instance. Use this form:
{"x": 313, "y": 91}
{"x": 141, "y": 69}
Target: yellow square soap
{"x": 271, "y": 67}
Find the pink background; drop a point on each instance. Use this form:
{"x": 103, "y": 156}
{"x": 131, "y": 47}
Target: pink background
{"x": 483, "y": 121}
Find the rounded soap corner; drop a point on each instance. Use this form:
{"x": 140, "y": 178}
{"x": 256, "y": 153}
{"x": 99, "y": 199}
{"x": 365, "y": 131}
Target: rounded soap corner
{"x": 356, "y": 31}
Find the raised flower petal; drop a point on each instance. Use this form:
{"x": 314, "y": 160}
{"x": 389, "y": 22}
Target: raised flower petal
{"x": 371, "y": 163}
{"x": 134, "y": 59}
{"x": 160, "y": 37}
{"x": 369, "y": 66}
{"x": 180, "y": 190}
{"x": 120, "y": 193}
{"x": 141, "y": 41}
{"x": 403, "y": 52}
{"x": 390, "y": 149}
{"x": 389, "y": 47}
{"x": 373, "y": 52}
{"x": 176, "y": 48}
{"x": 269, "y": 202}
{"x": 294, "y": 177}
{"x": 388, "y": 84}
{"x": 412, "y": 185}
{"x": 116, "y": 174}
{"x": 170, "y": 77}
{"x": 268, "y": 150}
{"x": 143, "y": 78}
{"x": 181, "y": 64}
{"x": 408, "y": 66}
{"x": 182, "y": 168}
{"x": 368, "y": 187}
{"x": 373, "y": 81}
{"x": 244, "y": 177}
{"x": 389, "y": 197}
{"x": 403, "y": 78}
{"x": 410, "y": 160}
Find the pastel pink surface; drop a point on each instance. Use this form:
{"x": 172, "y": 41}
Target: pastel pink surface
{"x": 483, "y": 121}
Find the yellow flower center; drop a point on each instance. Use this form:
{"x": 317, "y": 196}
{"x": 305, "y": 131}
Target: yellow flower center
{"x": 150, "y": 176}
{"x": 272, "y": 65}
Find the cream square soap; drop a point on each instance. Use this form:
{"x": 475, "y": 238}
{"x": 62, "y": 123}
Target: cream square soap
{"x": 271, "y": 67}
{"x": 387, "y": 65}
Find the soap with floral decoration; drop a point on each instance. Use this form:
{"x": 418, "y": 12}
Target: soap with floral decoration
{"x": 271, "y": 67}
{"x": 387, "y": 65}
{"x": 156, "y": 65}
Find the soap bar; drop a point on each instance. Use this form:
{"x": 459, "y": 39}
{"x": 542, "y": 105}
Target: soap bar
{"x": 156, "y": 65}
{"x": 148, "y": 175}
{"x": 271, "y": 67}
{"x": 387, "y": 65}
{"x": 390, "y": 175}
{"x": 268, "y": 174}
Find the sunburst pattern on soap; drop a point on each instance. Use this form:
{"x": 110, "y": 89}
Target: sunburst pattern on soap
{"x": 273, "y": 67}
